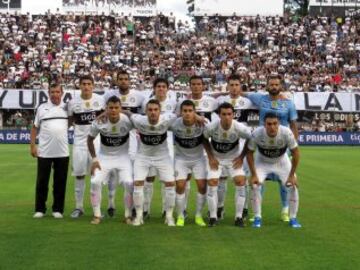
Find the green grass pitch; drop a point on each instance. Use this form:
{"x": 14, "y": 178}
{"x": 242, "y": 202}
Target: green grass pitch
{"x": 329, "y": 212}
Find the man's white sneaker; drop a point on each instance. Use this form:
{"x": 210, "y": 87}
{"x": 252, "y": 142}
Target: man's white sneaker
{"x": 38, "y": 215}
{"x": 138, "y": 221}
{"x": 57, "y": 215}
{"x": 170, "y": 221}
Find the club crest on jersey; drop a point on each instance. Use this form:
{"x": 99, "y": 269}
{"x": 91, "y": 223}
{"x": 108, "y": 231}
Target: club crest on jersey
{"x": 205, "y": 104}
{"x": 168, "y": 107}
{"x": 225, "y": 135}
{"x": 132, "y": 99}
{"x": 87, "y": 104}
{"x": 123, "y": 98}
{"x": 188, "y": 131}
{"x": 233, "y": 102}
{"x": 96, "y": 104}
{"x": 232, "y": 137}
{"x": 113, "y": 129}
{"x": 274, "y": 104}
{"x": 271, "y": 141}
{"x": 123, "y": 130}
{"x": 196, "y": 102}
{"x": 152, "y": 128}
{"x": 280, "y": 142}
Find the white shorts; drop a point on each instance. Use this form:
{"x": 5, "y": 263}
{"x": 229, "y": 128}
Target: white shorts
{"x": 81, "y": 161}
{"x": 185, "y": 167}
{"x": 281, "y": 168}
{"x": 225, "y": 165}
{"x": 133, "y": 144}
{"x": 170, "y": 142}
{"x": 119, "y": 167}
{"x": 164, "y": 168}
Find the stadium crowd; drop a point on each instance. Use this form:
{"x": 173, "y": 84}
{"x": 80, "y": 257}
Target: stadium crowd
{"x": 312, "y": 54}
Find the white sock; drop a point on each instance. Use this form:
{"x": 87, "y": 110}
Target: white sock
{"x": 240, "y": 195}
{"x": 221, "y": 193}
{"x": 256, "y": 200}
{"x": 163, "y": 196}
{"x": 212, "y": 199}
{"x": 293, "y": 195}
{"x": 138, "y": 197}
{"x": 148, "y": 194}
{"x": 170, "y": 196}
{"x": 187, "y": 193}
{"x": 112, "y": 191}
{"x": 96, "y": 199}
{"x": 128, "y": 199}
{"x": 79, "y": 193}
{"x": 180, "y": 204}
{"x": 247, "y": 196}
{"x": 200, "y": 202}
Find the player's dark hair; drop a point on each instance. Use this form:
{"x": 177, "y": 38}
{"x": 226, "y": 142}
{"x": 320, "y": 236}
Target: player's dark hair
{"x": 187, "y": 102}
{"x": 55, "y": 85}
{"x": 196, "y": 77}
{"x": 153, "y": 101}
{"x": 160, "y": 80}
{"x": 113, "y": 99}
{"x": 86, "y": 77}
{"x": 275, "y": 77}
{"x": 234, "y": 77}
{"x": 271, "y": 115}
{"x": 122, "y": 72}
{"x": 225, "y": 105}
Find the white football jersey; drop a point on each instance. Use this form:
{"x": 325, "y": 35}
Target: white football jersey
{"x": 153, "y": 137}
{"x": 188, "y": 140}
{"x": 225, "y": 143}
{"x": 167, "y": 106}
{"x": 240, "y": 105}
{"x": 205, "y": 106}
{"x": 84, "y": 112}
{"x": 132, "y": 101}
{"x": 114, "y": 137}
{"x": 271, "y": 150}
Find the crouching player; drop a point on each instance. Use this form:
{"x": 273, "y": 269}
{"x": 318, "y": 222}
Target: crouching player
{"x": 113, "y": 156}
{"x": 272, "y": 142}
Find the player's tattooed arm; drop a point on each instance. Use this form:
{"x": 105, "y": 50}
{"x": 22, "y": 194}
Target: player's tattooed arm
{"x": 33, "y": 148}
{"x": 95, "y": 162}
{"x": 213, "y": 162}
{"x": 292, "y": 180}
{"x": 294, "y": 129}
{"x": 238, "y": 162}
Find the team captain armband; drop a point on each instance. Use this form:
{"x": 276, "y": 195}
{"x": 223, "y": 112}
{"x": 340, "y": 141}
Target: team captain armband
{"x": 153, "y": 139}
{"x": 85, "y": 118}
{"x": 189, "y": 142}
{"x": 272, "y": 153}
{"x": 222, "y": 147}
{"x": 113, "y": 140}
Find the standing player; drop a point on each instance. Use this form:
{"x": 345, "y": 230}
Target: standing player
{"x": 153, "y": 152}
{"x": 113, "y": 156}
{"x": 205, "y": 106}
{"x": 82, "y": 111}
{"x": 224, "y": 154}
{"x": 271, "y": 142}
{"x": 189, "y": 159}
{"x": 241, "y": 105}
{"x": 168, "y": 105}
{"x": 284, "y": 108}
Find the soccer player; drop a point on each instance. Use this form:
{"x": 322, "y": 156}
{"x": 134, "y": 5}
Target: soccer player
{"x": 153, "y": 152}
{"x": 241, "y": 105}
{"x": 189, "y": 159}
{"x": 113, "y": 156}
{"x": 82, "y": 111}
{"x": 224, "y": 154}
{"x": 205, "y": 106}
{"x": 284, "y": 108}
{"x": 168, "y": 105}
{"x": 271, "y": 143}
